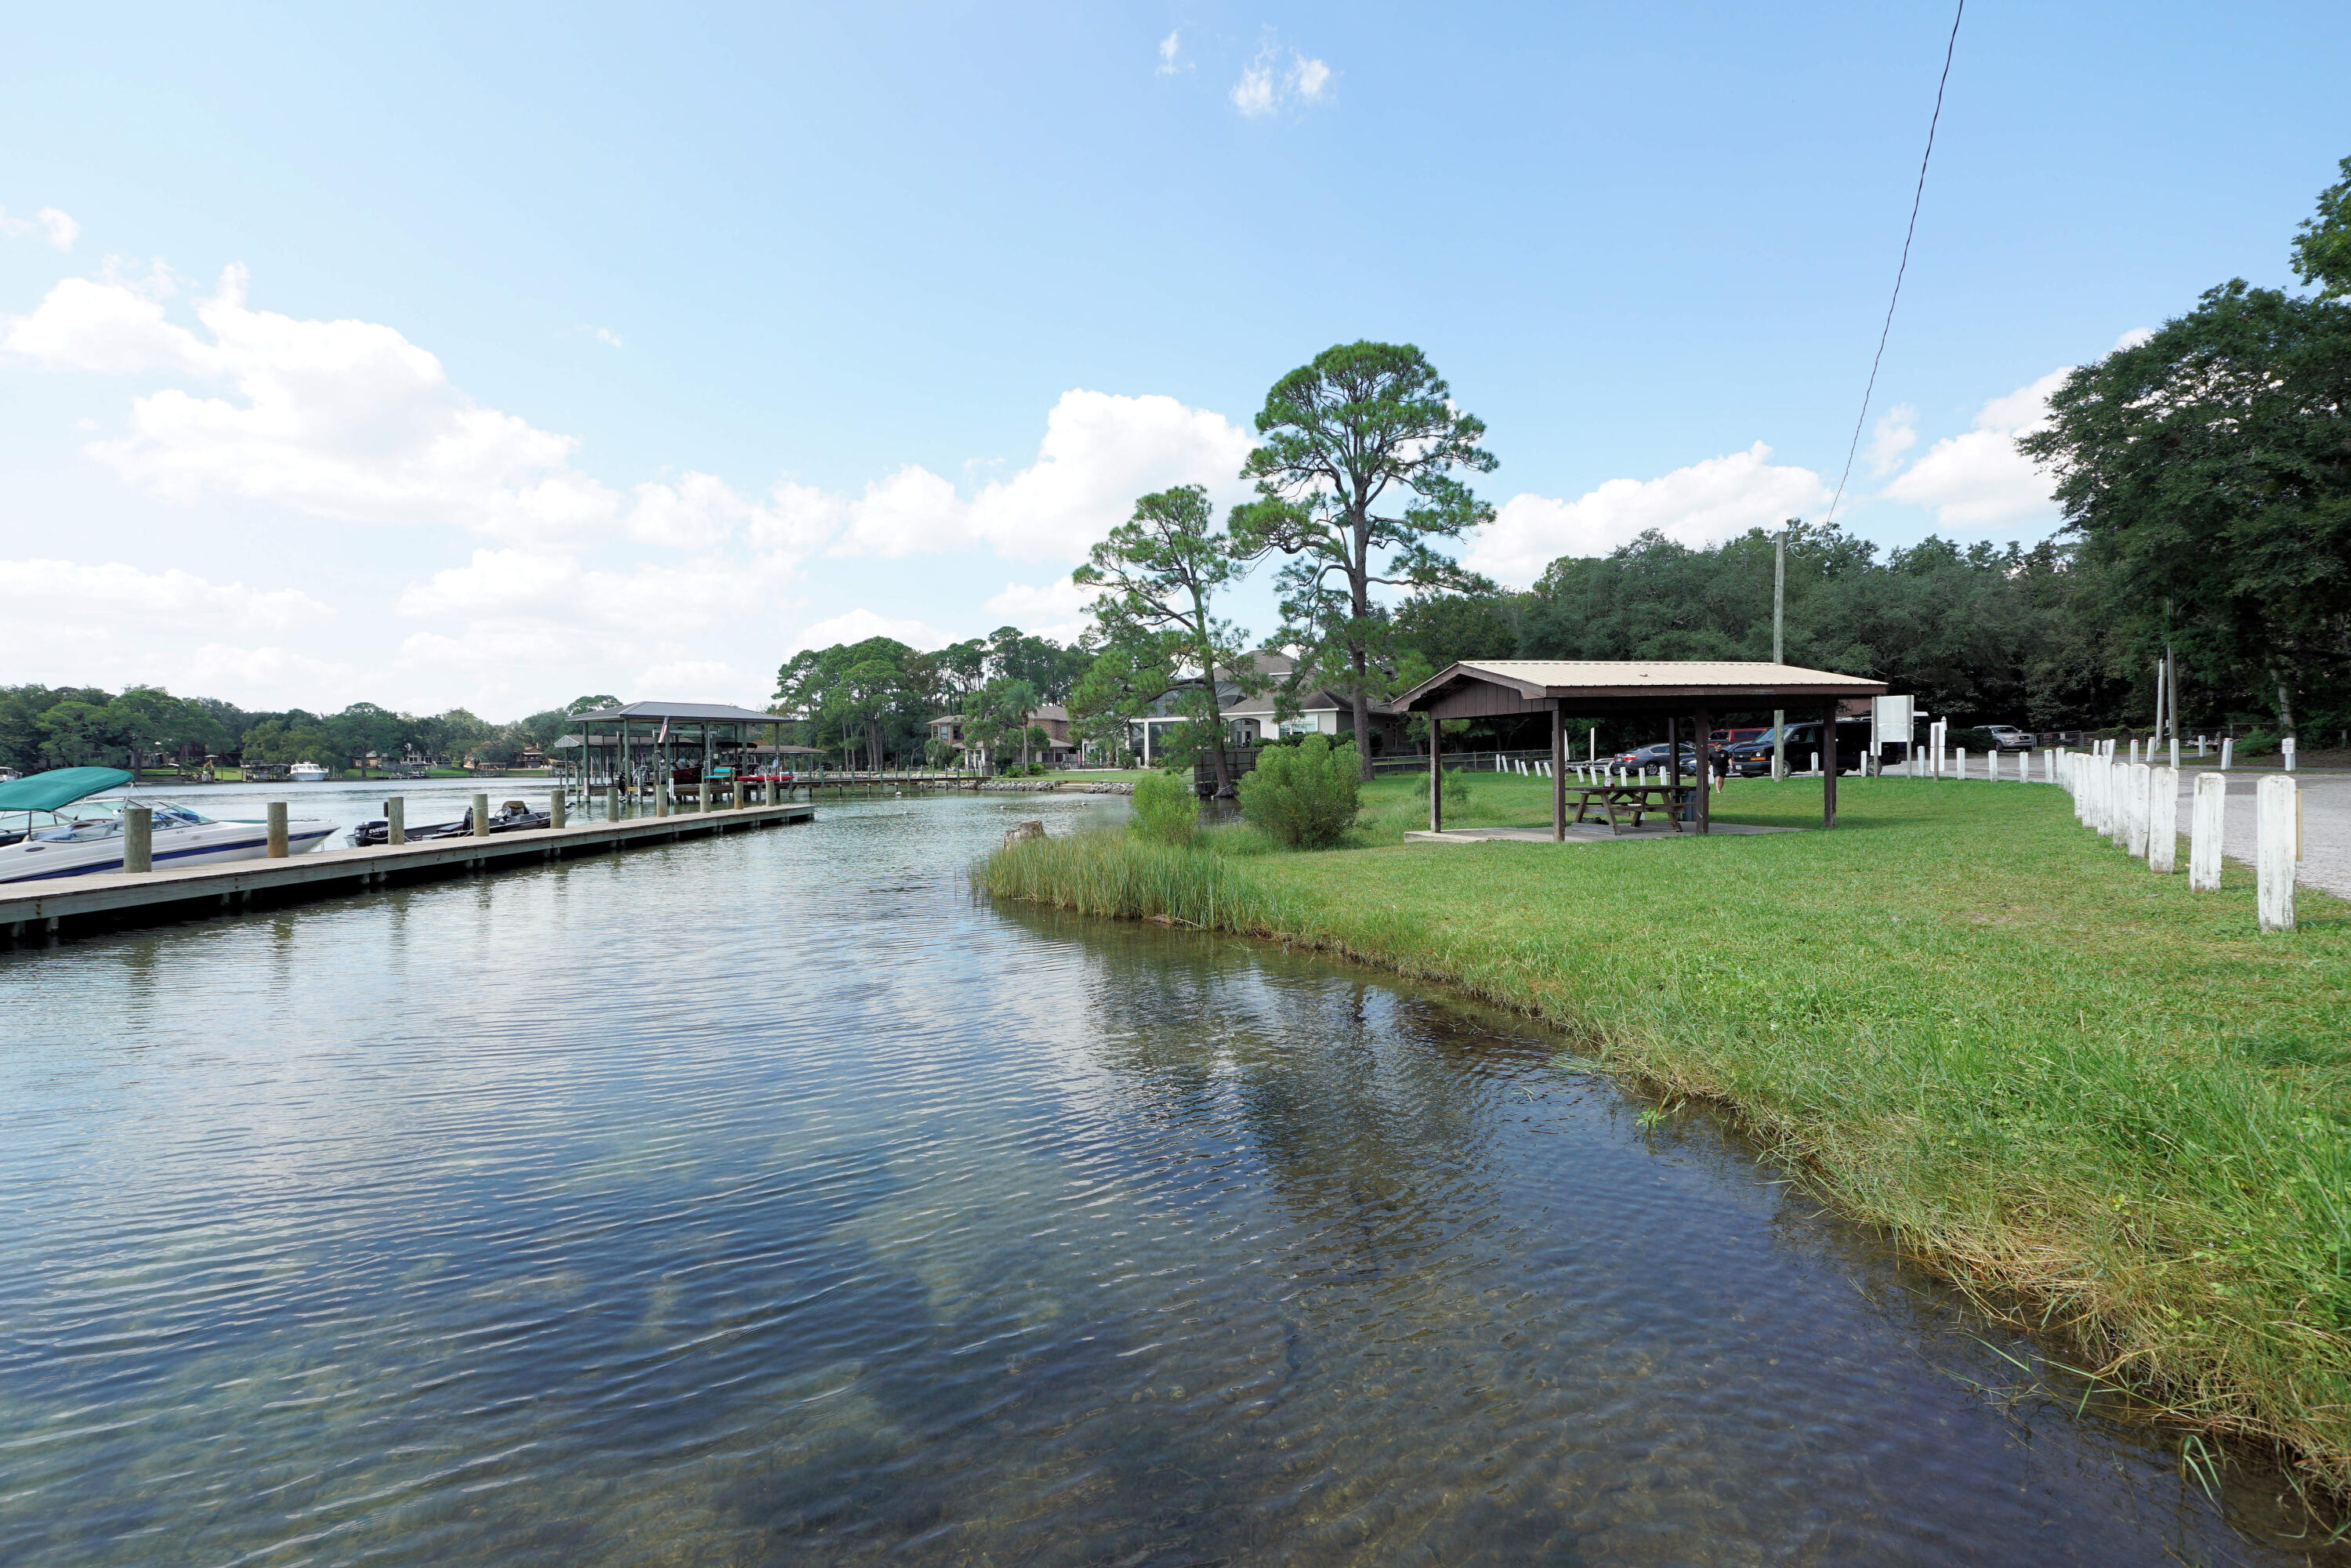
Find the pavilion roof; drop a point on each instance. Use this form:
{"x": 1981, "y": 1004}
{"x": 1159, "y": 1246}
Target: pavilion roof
{"x": 698, "y": 712}
{"x": 1617, "y": 681}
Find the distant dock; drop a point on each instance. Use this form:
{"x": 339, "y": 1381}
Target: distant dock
{"x": 34, "y": 910}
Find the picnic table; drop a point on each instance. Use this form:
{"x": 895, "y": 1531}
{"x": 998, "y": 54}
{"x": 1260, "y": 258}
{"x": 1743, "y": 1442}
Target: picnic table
{"x": 1674, "y": 800}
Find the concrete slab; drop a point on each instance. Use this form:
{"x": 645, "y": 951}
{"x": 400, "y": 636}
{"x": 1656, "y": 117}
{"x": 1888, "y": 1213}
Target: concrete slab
{"x": 1588, "y": 833}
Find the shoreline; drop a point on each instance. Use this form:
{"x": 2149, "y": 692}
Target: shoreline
{"x": 2051, "y": 1159}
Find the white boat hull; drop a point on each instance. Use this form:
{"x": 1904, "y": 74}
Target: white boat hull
{"x": 206, "y": 843}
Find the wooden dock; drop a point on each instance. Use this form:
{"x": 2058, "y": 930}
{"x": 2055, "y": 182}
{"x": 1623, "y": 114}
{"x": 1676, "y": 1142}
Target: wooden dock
{"x": 42, "y": 908}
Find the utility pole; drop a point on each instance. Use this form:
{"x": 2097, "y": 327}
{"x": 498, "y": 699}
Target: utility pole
{"x": 1779, "y": 618}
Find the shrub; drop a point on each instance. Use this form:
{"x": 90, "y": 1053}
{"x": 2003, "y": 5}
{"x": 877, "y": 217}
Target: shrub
{"x": 1165, "y": 810}
{"x": 1303, "y": 797}
{"x": 1456, "y": 791}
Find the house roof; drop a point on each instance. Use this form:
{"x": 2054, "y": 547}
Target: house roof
{"x": 1620, "y": 680}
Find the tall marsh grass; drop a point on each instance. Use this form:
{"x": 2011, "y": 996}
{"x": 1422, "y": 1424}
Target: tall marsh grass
{"x": 1126, "y": 876}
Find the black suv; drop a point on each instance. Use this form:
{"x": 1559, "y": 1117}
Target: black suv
{"x": 1753, "y": 758}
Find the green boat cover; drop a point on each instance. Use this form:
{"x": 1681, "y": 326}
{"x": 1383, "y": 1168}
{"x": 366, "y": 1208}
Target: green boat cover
{"x": 57, "y": 787}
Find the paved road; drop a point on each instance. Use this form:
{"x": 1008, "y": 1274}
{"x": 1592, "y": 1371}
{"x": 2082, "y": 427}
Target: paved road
{"x": 2325, "y": 824}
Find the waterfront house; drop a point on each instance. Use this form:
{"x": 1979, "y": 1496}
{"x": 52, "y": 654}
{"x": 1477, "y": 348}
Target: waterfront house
{"x": 1251, "y": 720}
{"x": 1059, "y": 750}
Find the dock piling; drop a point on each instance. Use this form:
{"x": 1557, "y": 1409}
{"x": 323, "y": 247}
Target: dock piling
{"x": 277, "y": 851}
{"x": 138, "y": 839}
{"x": 705, "y": 804}
{"x": 555, "y": 813}
{"x": 611, "y": 802}
{"x": 481, "y": 816}
{"x": 395, "y": 821}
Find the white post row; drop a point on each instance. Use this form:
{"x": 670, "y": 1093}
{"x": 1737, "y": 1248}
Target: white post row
{"x": 2207, "y": 817}
{"x": 2275, "y": 820}
{"x": 2141, "y": 790}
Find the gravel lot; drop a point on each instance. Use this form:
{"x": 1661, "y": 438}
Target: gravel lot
{"x": 2325, "y": 824}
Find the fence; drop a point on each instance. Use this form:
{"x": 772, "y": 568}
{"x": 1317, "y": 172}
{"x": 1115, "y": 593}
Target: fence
{"x": 2135, "y": 805}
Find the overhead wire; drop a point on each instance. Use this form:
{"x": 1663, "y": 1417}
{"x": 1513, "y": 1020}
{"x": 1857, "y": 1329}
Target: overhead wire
{"x": 1916, "y": 198}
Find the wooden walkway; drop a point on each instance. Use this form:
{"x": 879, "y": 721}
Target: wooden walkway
{"x": 42, "y": 908}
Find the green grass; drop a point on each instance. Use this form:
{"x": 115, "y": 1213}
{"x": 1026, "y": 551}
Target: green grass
{"x": 2098, "y": 1102}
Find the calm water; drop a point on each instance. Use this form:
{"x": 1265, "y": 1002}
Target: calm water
{"x": 768, "y": 1200}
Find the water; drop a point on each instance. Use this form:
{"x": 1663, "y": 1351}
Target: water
{"x": 766, "y": 1199}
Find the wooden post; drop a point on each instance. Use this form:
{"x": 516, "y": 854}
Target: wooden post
{"x": 481, "y": 816}
{"x": 1705, "y": 776}
{"x": 1435, "y": 777}
{"x": 703, "y": 804}
{"x": 277, "y": 851}
{"x": 612, "y": 803}
{"x": 555, "y": 813}
{"x": 1558, "y": 773}
{"x": 2162, "y": 822}
{"x": 2275, "y": 817}
{"x": 138, "y": 839}
{"x": 395, "y": 818}
{"x": 661, "y": 793}
{"x": 1829, "y": 768}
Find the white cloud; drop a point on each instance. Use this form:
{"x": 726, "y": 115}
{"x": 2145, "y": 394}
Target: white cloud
{"x": 347, "y": 419}
{"x": 1170, "y": 56}
{"x": 705, "y": 680}
{"x": 270, "y": 677}
{"x": 1894, "y": 434}
{"x": 606, "y": 335}
{"x": 1703, "y": 504}
{"x": 1101, "y": 451}
{"x": 1980, "y": 479}
{"x": 46, "y": 590}
{"x": 1267, "y": 85}
{"x": 858, "y": 624}
{"x": 1055, "y": 610}
{"x": 53, "y": 224}
{"x": 513, "y": 587}
{"x": 2133, "y": 339}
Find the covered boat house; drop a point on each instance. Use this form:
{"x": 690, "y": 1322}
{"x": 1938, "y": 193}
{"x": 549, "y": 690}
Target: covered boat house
{"x": 640, "y": 743}
{"x": 1669, "y": 693}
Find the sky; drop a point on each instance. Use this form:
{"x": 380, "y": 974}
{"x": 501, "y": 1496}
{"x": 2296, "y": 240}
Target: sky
{"x": 491, "y": 356}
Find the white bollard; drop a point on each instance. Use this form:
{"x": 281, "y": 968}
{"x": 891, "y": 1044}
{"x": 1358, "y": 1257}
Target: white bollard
{"x": 2275, "y": 817}
{"x": 2162, "y": 822}
{"x": 2285, "y": 751}
{"x": 2175, "y": 752}
{"x": 1991, "y": 765}
{"x": 2138, "y": 791}
{"x": 2207, "y": 815}
{"x": 2228, "y": 752}
{"x": 1960, "y": 764}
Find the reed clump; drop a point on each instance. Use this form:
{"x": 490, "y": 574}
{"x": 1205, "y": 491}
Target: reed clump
{"x": 1127, "y": 876}
{"x": 2103, "y": 1105}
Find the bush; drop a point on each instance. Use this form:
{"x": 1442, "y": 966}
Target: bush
{"x": 1165, "y": 810}
{"x": 1456, "y": 791}
{"x": 1303, "y": 797}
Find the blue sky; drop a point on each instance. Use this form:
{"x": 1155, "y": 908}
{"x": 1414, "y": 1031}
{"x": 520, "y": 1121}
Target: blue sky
{"x": 571, "y": 348}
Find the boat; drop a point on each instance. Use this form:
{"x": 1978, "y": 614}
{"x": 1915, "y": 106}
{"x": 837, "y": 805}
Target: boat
{"x": 514, "y": 817}
{"x": 84, "y": 836}
{"x": 306, "y": 773}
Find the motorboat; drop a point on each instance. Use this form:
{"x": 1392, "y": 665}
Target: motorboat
{"x": 514, "y": 817}
{"x": 84, "y": 836}
{"x": 306, "y": 773}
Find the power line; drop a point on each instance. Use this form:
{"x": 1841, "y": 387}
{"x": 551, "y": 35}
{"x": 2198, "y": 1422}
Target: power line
{"x": 1915, "y": 197}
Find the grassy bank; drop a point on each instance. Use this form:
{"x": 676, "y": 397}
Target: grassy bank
{"x": 2063, "y": 1082}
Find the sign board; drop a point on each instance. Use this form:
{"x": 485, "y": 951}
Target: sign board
{"x": 1892, "y": 722}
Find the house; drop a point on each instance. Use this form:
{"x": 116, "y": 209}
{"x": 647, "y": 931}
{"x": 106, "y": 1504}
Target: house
{"x": 1250, "y": 719}
{"x": 1059, "y": 750}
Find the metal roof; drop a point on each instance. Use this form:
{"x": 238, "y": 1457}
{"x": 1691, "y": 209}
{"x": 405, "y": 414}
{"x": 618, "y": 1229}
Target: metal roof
{"x": 697, "y": 712}
{"x": 1636, "y": 678}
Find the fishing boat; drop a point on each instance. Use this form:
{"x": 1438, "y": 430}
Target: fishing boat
{"x": 514, "y": 817}
{"x": 82, "y": 836}
{"x": 306, "y": 773}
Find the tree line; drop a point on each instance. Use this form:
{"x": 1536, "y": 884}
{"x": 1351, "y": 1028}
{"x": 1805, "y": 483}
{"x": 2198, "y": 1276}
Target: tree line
{"x": 144, "y": 726}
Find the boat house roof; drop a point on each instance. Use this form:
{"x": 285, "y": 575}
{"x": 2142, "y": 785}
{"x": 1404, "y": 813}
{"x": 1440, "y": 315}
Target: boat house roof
{"x": 695, "y": 713}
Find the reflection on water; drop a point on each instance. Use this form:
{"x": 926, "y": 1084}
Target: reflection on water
{"x": 768, "y": 1200}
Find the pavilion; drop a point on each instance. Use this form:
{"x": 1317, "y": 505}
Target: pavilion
{"x": 1666, "y": 690}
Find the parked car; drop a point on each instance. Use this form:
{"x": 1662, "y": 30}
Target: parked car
{"x": 2009, "y": 737}
{"x": 1740, "y": 736}
{"x": 1754, "y": 758}
{"x": 1655, "y": 756}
